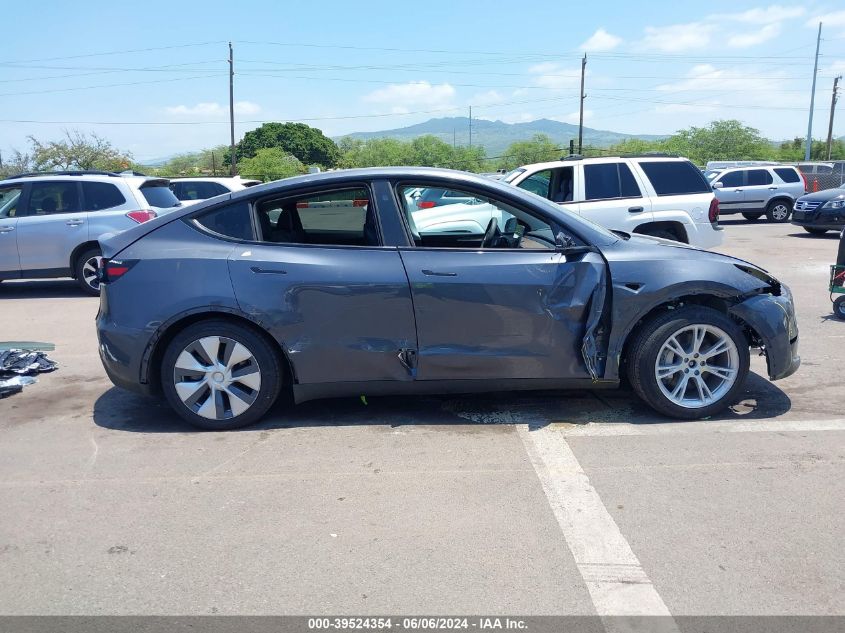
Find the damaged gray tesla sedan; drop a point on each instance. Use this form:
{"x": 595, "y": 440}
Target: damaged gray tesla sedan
{"x": 348, "y": 283}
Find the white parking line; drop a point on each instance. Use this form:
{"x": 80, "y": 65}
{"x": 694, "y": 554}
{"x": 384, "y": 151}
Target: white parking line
{"x": 617, "y": 583}
{"x": 600, "y": 429}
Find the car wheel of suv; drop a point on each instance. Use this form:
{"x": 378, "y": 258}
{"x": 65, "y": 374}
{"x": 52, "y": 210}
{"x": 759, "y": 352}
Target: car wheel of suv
{"x": 689, "y": 363}
{"x": 839, "y": 307}
{"x": 219, "y": 375}
{"x": 778, "y": 211}
{"x": 814, "y": 231}
{"x": 85, "y": 271}
{"x": 751, "y": 217}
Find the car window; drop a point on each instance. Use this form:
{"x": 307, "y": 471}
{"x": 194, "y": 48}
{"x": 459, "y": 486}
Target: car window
{"x": 675, "y": 177}
{"x": 609, "y": 180}
{"x": 9, "y": 197}
{"x": 759, "y": 177}
{"x": 101, "y": 195}
{"x": 788, "y": 174}
{"x": 159, "y": 195}
{"x": 731, "y": 179}
{"x": 341, "y": 218}
{"x": 464, "y": 225}
{"x": 232, "y": 220}
{"x": 47, "y": 198}
{"x": 198, "y": 190}
{"x": 538, "y": 183}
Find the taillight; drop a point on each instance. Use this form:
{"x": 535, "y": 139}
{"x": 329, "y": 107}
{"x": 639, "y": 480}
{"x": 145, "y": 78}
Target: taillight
{"x": 713, "y": 214}
{"x": 426, "y": 204}
{"x": 145, "y": 215}
{"x": 113, "y": 269}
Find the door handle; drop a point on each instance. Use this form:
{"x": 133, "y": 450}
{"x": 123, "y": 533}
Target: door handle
{"x": 737, "y": 190}
{"x": 772, "y": 188}
{"x": 635, "y": 209}
{"x": 268, "y": 271}
{"x": 75, "y": 222}
{"x": 432, "y": 273}
{"x": 6, "y": 229}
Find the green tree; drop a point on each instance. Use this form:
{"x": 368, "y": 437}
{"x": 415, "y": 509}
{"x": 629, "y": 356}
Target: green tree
{"x": 205, "y": 162}
{"x": 637, "y": 146}
{"x": 15, "y": 164}
{"x": 78, "y": 150}
{"x": 309, "y": 145}
{"x": 377, "y": 152}
{"x": 720, "y": 140}
{"x": 539, "y": 149}
{"x": 270, "y": 163}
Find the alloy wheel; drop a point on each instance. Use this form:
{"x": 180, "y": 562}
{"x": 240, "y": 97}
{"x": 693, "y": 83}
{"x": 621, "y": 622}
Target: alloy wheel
{"x": 697, "y": 366}
{"x": 89, "y": 272}
{"x": 217, "y": 377}
{"x": 780, "y": 212}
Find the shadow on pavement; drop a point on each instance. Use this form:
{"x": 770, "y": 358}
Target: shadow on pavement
{"x": 830, "y": 235}
{"x": 124, "y": 411}
{"x": 42, "y": 289}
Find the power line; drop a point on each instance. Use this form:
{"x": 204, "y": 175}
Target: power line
{"x": 133, "y": 83}
{"x": 124, "y": 52}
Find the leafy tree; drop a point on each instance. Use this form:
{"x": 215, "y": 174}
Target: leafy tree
{"x": 270, "y": 163}
{"x": 539, "y": 149}
{"x": 720, "y": 140}
{"x": 309, "y": 145}
{"x": 793, "y": 151}
{"x": 16, "y": 164}
{"x": 426, "y": 151}
{"x": 207, "y": 162}
{"x": 78, "y": 150}
{"x": 637, "y": 146}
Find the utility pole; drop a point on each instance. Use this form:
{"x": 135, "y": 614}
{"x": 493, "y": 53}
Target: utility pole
{"x": 833, "y": 101}
{"x": 581, "y": 112}
{"x": 232, "y": 110}
{"x": 809, "y": 143}
{"x": 213, "y": 165}
{"x": 470, "y": 126}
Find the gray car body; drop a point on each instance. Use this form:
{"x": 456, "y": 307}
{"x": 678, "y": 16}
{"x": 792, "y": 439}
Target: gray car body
{"x": 364, "y": 320}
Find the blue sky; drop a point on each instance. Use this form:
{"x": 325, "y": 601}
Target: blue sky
{"x": 355, "y": 66}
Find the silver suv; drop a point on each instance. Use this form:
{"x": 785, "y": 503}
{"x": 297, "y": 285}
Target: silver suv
{"x": 50, "y": 221}
{"x": 753, "y": 191}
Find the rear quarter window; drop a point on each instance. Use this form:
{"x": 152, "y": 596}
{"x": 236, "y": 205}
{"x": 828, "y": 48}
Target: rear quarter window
{"x": 787, "y": 174}
{"x": 673, "y": 178}
{"x": 233, "y": 220}
{"x": 101, "y": 195}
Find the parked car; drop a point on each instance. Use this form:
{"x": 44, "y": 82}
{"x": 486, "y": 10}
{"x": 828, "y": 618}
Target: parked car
{"x": 823, "y": 175}
{"x": 652, "y": 195}
{"x": 50, "y": 221}
{"x": 192, "y": 190}
{"x": 755, "y": 191}
{"x": 326, "y": 285}
{"x": 820, "y": 212}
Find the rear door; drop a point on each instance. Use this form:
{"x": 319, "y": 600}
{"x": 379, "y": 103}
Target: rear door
{"x": 611, "y": 196}
{"x": 319, "y": 279}
{"x": 52, "y": 226}
{"x": 10, "y": 198}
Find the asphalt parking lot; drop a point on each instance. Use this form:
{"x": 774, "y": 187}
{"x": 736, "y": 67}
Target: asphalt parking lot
{"x": 541, "y": 504}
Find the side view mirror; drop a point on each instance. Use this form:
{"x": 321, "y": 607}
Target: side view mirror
{"x": 566, "y": 245}
{"x": 511, "y": 226}
{"x": 718, "y": 185}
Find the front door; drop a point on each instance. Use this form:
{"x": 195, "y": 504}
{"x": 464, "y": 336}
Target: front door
{"x": 731, "y": 193}
{"x": 506, "y": 305}
{"x": 52, "y": 226}
{"x": 319, "y": 280}
{"x": 9, "y": 209}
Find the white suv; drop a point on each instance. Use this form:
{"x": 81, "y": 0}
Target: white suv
{"x": 50, "y": 221}
{"x": 661, "y": 196}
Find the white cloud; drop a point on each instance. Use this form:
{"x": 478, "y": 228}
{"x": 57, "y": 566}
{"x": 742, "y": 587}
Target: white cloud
{"x": 836, "y": 18}
{"x": 491, "y": 97}
{"x": 554, "y": 76}
{"x": 677, "y": 38}
{"x": 752, "y": 38}
{"x": 599, "y": 41}
{"x": 760, "y": 15}
{"x": 402, "y": 98}
{"x": 573, "y": 117}
{"x": 212, "y": 109}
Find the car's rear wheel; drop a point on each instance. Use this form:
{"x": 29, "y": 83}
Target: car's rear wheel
{"x": 689, "y": 363}
{"x": 751, "y": 217}
{"x": 778, "y": 211}
{"x": 665, "y": 234}
{"x": 814, "y": 231}
{"x": 219, "y": 375}
{"x": 85, "y": 271}
{"x": 839, "y": 307}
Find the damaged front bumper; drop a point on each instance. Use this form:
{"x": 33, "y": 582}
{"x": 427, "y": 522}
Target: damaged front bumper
{"x": 772, "y": 318}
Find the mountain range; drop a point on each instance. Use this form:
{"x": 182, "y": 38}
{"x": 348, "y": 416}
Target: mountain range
{"x": 495, "y": 136}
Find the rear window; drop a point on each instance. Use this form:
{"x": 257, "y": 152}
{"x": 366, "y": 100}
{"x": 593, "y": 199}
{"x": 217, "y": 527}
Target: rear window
{"x": 101, "y": 195}
{"x": 672, "y": 178}
{"x": 197, "y": 190}
{"x": 159, "y": 196}
{"x": 787, "y": 174}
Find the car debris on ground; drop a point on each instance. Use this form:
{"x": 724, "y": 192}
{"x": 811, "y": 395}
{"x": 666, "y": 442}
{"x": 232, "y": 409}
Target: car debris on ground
{"x": 19, "y": 366}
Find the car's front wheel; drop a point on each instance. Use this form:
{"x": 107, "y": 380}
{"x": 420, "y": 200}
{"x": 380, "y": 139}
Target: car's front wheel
{"x": 689, "y": 363}
{"x": 220, "y": 375}
{"x": 778, "y": 211}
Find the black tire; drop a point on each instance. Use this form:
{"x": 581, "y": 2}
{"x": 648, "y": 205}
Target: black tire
{"x": 81, "y": 271}
{"x": 661, "y": 233}
{"x": 814, "y": 231}
{"x": 839, "y": 307}
{"x": 752, "y": 217}
{"x": 269, "y": 364}
{"x": 779, "y": 211}
{"x": 649, "y": 341}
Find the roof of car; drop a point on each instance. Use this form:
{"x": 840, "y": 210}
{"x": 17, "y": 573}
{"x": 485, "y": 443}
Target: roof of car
{"x": 98, "y": 176}
{"x": 569, "y": 160}
{"x": 220, "y": 179}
